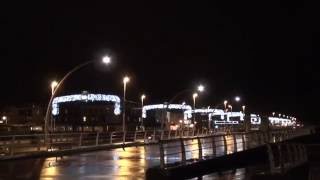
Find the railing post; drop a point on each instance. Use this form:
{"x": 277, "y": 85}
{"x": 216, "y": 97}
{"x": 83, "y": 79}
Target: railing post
{"x": 124, "y": 137}
{"x": 111, "y": 136}
{"x": 198, "y": 132}
{"x": 243, "y": 142}
{"x": 176, "y": 134}
{"x": 193, "y": 131}
{"x": 169, "y": 135}
{"x": 12, "y": 145}
{"x": 80, "y": 140}
{"x": 214, "y": 150}
{"x": 154, "y": 135}
{"x": 161, "y": 136}
{"x": 281, "y": 159}
{"x": 183, "y": 151}
{"x": 162, "y": 165}
{"x": 200, "y": 147}
{"x": 289, "y": 153}
{"x": 135, "y": 136}
{"x": 145, "y": 136}
{"x": 225, "y": 144}
{"x": 271, "y": 159}
{"x": 235, "y": 145}
{"x": 97, "y": 139}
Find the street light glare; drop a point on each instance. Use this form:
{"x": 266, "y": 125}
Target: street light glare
{"x": 237, "y": 98}
{"x": 106, "y": 60}
{"x": 195, "y": 95}
{"x": 200, "y": 88}
{"x": 143, "y": 96}
{"x": 54, "y": 84}
{"x": 126, "y": 79}
{"x": 225, "y": 102}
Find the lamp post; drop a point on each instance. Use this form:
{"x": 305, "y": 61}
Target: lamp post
{"x": 106, "y": 60}
{"x": 53, "y": 86}
{"x": 194, "y": 96}
{"x": 142, "y": 99}
{"x": 225, "y": 102}
{"x": 126, "y": 79}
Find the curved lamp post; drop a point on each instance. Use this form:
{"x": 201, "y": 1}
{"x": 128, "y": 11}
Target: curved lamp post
{"x": 105, "y": 60}
{"x": 200, "y": 88}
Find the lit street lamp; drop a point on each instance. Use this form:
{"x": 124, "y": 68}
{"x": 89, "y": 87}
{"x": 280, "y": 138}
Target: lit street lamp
{"x": 142, "y": 99}
{"x": 237, "y": 98}
{"x": 126, "y": 79}
{"x": 53, "y": 86}
{"x": 200, "y": 88}
{"x": 106, "y": 60}
{"x": 194, "y": 96}
{"x": 225, "y": 105}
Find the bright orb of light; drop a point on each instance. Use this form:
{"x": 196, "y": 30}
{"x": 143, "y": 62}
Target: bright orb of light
{"x": 195, "y": 95}
{"x": 200, "y": 88}
{"x": 237, "y": 98}
{"x": 126, "y": 79}
{"x": 106, "y": 60}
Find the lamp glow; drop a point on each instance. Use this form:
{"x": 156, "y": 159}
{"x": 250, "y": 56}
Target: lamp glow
{"x": 200, "y": 88}
{"x": 106, "y": 60}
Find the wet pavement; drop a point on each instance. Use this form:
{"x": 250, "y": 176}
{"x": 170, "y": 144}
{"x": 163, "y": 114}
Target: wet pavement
{"x": 128, "y": 163}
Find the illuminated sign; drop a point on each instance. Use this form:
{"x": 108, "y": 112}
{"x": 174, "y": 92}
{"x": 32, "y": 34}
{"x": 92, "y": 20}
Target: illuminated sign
{"x": 86, "y": 98}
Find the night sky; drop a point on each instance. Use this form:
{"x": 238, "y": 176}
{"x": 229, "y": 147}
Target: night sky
{"x": 265, "y": 53}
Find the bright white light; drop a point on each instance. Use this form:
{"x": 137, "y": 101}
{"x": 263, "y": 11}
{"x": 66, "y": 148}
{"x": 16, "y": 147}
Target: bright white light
{"x": 230, "y": 106}
{"x": 86, "y": 97}
{"x": 143, "y": 97}
{"x": 195, "y": 95}
{"x": 225, "y": 102}
{"x": 255, "y": 119}
{"x": 4, "y": 118}
{"x": 200, "y": 88}
{"x": 126, "y": 79}
{"x": 237, "y": 98}
{"x": 54, "y": 84}
{"x": 84, "y": 118}
{"x": 106, "y": 60}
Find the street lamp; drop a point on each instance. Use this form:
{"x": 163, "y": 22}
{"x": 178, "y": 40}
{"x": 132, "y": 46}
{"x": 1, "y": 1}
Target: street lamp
{"x": 194, "y": 96}
{"x": 243, "y": 109}
{"x": 237, "y": 98}
{"x": 225, "y": 105}
{"x": 53, "y": 86}
{"x": 105, "y": 60}
{"x": 126, "y": 79}
{"x": 200, "y": 88}
{"x": 142, "y": 99}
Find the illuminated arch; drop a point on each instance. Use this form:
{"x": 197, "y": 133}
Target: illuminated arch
{"x": 86, "y": 97}
{"x": 164, "y": 106}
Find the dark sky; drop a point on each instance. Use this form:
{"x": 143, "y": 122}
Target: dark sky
{"x": 264, "y": 52}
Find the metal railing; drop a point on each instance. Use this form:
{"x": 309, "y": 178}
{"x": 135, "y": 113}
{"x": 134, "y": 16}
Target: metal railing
{"x": 285, "y": 156}
{"x": 23, "y": 144}
{"x": 188, "y": 149}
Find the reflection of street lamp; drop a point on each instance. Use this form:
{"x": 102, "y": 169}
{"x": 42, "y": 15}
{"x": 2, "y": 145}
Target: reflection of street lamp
{"x": 126, "y": 79}
{"x": 105, "y": 60}
{"x": 142, "y": 98}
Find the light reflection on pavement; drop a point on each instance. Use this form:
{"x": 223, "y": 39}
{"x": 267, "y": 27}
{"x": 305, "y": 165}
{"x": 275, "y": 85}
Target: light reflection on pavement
{"x": 128, "y": 163}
